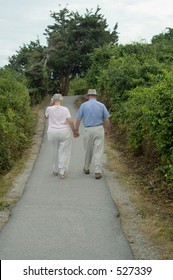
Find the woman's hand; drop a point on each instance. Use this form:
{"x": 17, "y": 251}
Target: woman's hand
{"x": 76, "y": 134}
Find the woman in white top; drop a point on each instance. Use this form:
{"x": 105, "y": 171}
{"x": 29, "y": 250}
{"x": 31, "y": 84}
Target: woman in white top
{"x": 59, "y": 124}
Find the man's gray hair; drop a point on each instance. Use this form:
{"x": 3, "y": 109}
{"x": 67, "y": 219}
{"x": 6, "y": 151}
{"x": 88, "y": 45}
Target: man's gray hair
{"x": 57, "y": 97}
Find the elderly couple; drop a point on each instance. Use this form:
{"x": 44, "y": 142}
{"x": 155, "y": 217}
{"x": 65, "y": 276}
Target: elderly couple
{"x": 95, "y": 117}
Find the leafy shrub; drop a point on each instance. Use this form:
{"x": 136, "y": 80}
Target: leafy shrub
{"x": 148, "y": 114}
{"x": 78, "y": 86}
{"x": 16, "y": 120}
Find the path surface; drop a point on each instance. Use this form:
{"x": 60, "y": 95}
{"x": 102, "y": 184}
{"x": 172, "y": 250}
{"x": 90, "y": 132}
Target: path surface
{"x": 74, "y": 218}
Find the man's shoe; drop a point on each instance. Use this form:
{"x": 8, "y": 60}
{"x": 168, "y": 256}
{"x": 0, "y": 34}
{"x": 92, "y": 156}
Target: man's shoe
{"x": 98, "y": 175}
{"x": 86, "y": 171}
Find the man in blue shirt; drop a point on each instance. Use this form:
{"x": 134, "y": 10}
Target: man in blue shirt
{"x": 95, "y": 118}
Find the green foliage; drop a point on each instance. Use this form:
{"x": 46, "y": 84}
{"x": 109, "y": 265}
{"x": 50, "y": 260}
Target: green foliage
{"x": 78, "y": 86}
{"x": 124, "y": 74}
{"x": 71, "y": 39}
{"x": 16, "y": 119}
{"x": 162, "y": 44}
{"x": 29, "y": 62}
{"x": 99, "y": 60}
{"x": 148, "y": 114}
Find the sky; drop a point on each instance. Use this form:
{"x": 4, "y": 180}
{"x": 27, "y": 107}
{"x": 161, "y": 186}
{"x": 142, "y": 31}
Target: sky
{"x": 23, "y": 21}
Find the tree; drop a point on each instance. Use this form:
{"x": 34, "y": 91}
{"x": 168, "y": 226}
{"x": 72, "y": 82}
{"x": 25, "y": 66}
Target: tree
{"x": 99, "y": 60}
{"x": 162, "y": 44}
{"x": 71, "y": 39}
{"x": 29, "y": 62}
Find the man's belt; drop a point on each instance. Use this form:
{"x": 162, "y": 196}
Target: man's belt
{"x": 94, "y": 125}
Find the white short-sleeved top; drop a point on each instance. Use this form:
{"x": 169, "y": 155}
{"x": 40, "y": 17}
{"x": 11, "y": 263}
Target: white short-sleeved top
{"x": 57, "y": 117}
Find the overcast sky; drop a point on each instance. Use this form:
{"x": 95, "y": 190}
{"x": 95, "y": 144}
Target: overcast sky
{"x": 23, "y": 21}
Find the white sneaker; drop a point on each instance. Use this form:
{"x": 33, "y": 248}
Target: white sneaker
{"x": 62, "y": 176}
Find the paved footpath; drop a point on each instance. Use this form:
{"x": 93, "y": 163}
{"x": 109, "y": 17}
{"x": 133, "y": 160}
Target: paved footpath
{"x": 70, "y": 219}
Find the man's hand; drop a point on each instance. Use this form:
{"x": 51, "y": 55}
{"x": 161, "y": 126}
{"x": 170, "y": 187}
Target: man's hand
{"x": 107, "y": 126}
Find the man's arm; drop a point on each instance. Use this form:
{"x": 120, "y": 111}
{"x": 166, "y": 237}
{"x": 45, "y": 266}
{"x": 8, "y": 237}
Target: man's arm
{"x": 107, "y": 125}
{"x": 78, "y": 120}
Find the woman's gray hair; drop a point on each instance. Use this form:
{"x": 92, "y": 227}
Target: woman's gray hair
{"x": 57, "y": 97}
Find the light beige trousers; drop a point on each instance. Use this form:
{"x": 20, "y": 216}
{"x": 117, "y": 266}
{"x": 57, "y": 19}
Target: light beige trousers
{"x": 61, "y": 150}
{"x": 94, "y": 147}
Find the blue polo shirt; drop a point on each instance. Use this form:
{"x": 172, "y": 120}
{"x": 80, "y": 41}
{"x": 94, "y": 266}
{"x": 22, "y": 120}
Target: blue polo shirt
{"x": 93, "y": 113}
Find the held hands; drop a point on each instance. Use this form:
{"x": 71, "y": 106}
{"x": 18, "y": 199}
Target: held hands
{"x": 73, "y": 128}
{"x": 76, "y": 134}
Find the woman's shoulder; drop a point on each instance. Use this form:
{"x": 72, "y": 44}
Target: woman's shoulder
{"x": 48, "y": 108}
{"x": 64, "y": 108}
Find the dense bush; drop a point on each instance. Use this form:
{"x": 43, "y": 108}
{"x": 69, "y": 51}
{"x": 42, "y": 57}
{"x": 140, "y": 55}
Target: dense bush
{"x": 148, "y": 114}
{"x": 16, "y": 120}
{"x": 78, "y": 86}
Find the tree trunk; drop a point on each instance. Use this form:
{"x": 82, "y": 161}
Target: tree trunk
{"x": 64, "y": 84}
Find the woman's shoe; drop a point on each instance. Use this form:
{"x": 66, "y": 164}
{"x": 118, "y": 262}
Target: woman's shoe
{"x": 62, "y": 176}
{"x": 86, "y": 171}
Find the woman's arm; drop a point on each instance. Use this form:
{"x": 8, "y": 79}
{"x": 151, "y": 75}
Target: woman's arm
{"x": 71, "y": 124}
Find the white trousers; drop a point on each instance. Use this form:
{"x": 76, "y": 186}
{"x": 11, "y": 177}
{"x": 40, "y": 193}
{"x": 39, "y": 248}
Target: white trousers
{"x": 61, "y": 149}
{"x": 94, "y": 147}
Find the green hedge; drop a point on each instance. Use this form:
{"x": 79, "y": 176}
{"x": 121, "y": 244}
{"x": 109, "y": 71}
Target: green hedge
{"x": 148, "y": 114}
{"x": 16, "y": 119}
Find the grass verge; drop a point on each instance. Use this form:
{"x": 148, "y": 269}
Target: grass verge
{"x": 154, "y": 206}
{"x": 8, "y": 193}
